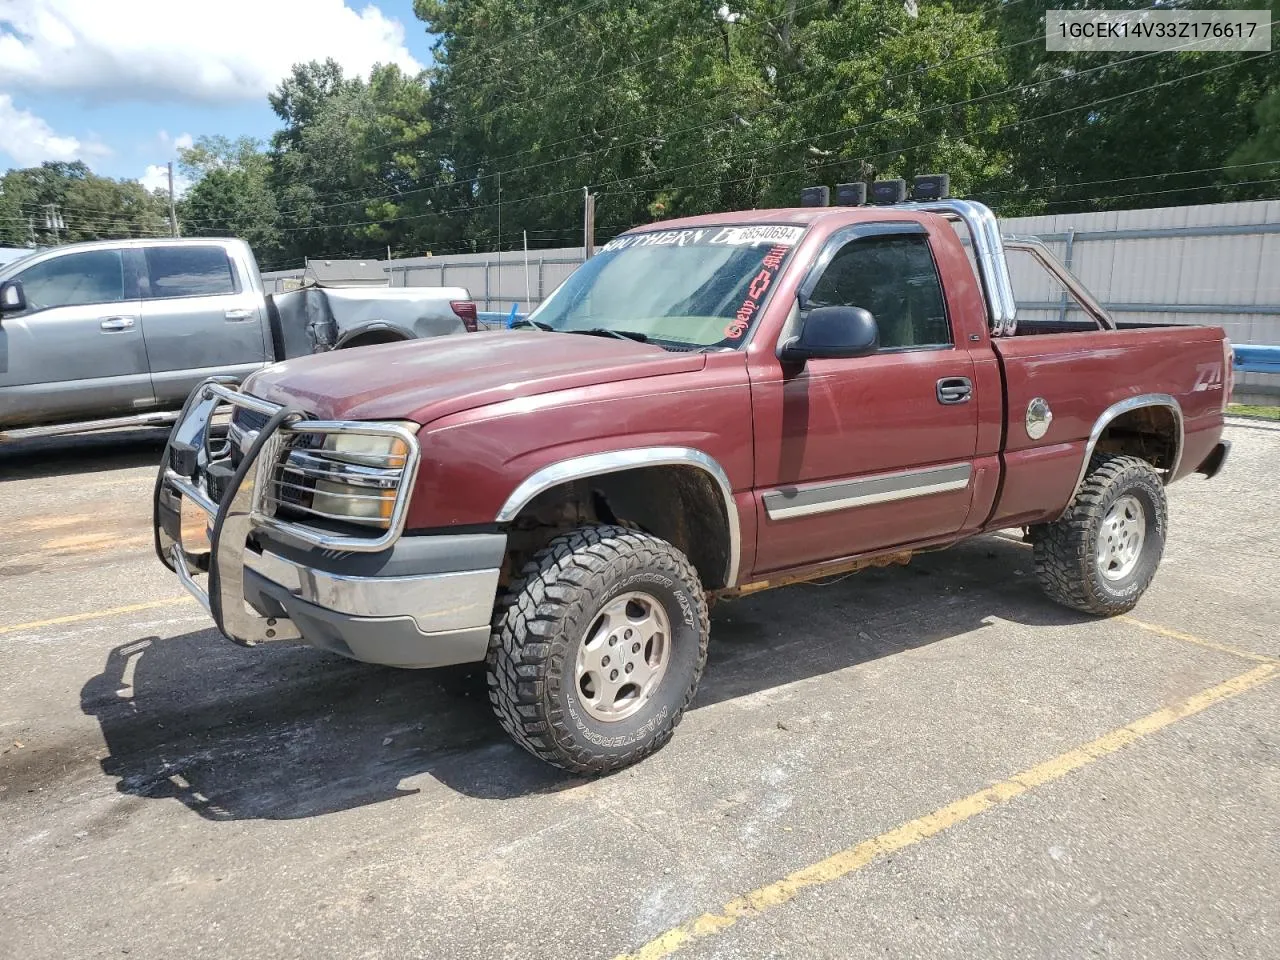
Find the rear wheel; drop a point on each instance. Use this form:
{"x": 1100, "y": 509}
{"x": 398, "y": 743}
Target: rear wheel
{"x": 597, "y": 648}
{"x": 1102, "y": 554}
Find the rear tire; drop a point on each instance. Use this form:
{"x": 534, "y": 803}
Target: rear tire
{"x": 1102, "y": 554}
{"x": 592, "y": 612}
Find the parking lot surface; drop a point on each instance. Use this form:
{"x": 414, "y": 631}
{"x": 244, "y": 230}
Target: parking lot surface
{"x": 919, "y": 761}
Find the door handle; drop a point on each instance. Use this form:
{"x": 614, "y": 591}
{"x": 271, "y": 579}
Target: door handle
{"x": 112, "y": 324}
{"x": 238, "y": 315}
{"x": 954, "y": 390}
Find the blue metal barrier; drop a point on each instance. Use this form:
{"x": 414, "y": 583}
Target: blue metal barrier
{"x": 1256, "y": 358}
{"x": 496, "y": 320}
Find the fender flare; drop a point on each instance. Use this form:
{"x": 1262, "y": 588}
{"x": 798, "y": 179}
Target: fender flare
{"x": 615, "y": 461}
{"x": 1122, "y": 407}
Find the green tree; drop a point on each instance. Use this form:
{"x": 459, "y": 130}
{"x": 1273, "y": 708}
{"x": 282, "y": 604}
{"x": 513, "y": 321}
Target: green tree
{"x": 1258, "y": 158}
{"x": 1123, "y": 130}
{"x": 349, "y": 164}
{"x": 90, "y": 207}
{"x": 231, "y": 194}
{"x": 693, "y": 106}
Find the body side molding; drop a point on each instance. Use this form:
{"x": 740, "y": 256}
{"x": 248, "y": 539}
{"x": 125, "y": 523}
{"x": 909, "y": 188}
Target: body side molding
{"x": 615, "y": 461}
{"x": 783, "y": 504}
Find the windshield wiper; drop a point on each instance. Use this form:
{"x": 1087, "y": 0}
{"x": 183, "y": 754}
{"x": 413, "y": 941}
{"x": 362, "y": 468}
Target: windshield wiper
{"x": 616, "y": 334}
{"x": 526, "y": 322}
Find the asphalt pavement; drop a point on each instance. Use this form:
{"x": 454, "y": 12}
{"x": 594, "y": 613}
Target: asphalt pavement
{"x": 920, "y": 761}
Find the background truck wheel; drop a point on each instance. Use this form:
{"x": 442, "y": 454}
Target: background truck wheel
{"x": 597, "y": 648}
{"x": 1101, "y": 556}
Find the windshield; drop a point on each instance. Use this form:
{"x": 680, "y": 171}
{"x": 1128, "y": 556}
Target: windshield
{"x": 682, "y": 289}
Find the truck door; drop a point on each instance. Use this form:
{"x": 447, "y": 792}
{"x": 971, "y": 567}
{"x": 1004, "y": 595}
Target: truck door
{"x": 855, "y": 455}
{"x": 200, "y": 318}
{"x": 76, "y": 352}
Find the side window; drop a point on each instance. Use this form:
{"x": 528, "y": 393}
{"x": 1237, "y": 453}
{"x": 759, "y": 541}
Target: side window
{"x": 189, "y": 271}
{"x": 93, "y": 276}
{"x": 895, "y": 278}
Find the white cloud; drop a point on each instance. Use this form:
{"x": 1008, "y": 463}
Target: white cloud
{"x": 156, "y": 177}
{"x": 30, "y": 141}
{"x": 208, "y": 52}
{"x": 183, "y": 141}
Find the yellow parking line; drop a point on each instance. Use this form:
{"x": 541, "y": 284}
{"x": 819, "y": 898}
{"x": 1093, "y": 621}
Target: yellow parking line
{"x": 1198, "y": 641}
{"x": 92, "y": 615}
{"x": 853, "y": 858}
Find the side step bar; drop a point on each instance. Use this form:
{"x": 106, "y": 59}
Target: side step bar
{"x": 90, "y": 426}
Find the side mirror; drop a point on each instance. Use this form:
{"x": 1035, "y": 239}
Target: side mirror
{"x": 833, "y": 333}
{"x": 12, "y": 299}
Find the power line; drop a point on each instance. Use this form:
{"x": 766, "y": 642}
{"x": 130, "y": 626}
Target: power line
{"x": 474, "y": 182}
{"x": 774, "y": 146}
{"x": 845, "y": 131}
{"x": 915, "y": 146}
{"x": 1141, "y": 176}
{"x": 752, "y": 154}
{"x": 303, "y": 206}
{"x": 1152, "y": 193}
{"x": 546, "y": 96}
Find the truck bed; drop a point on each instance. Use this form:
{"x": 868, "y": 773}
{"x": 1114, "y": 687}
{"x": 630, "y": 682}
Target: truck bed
{"x": 1088, "y": 372}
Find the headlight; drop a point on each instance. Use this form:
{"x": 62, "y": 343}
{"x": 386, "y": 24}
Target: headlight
{"x": 354, "y": 477}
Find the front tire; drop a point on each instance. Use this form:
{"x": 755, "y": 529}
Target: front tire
{"x": 1102, "y": 554}
{"x": 597, "y": 649}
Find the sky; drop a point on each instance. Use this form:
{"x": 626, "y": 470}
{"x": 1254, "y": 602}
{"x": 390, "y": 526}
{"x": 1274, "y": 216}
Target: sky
{"x": 122, "y": 84}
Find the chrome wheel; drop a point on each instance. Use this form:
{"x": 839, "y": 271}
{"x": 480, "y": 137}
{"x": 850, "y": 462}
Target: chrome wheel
{"x": 1120, "y": 539}
{"x": 622, "y": 656}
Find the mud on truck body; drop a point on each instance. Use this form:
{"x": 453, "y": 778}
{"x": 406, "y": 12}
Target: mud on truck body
{"x": 706, "y": 408}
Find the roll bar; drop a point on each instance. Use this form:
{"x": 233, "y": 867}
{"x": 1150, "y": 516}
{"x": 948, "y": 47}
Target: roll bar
{"x": 1058, "y": 270}
{"x": 993, "y": 269}
{"x": 988, "y": 249}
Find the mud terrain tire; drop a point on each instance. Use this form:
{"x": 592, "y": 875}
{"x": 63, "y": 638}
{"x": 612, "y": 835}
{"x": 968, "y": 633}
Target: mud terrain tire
{"x": 1087, "y": 560}
{"x": 572, "y": 597}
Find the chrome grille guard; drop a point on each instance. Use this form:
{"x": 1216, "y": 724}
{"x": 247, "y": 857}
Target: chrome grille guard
{"x": 199, "y": 466}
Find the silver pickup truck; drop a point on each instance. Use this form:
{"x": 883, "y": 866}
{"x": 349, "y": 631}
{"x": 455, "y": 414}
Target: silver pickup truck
{"x": 118, "y": 333}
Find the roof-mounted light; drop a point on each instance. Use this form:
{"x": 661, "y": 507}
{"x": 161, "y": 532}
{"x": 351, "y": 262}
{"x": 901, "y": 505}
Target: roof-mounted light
{"x": 931, "y": 186}
{"x": 815, "y": 196}
{"x": 884, "y": 192}
{"x": 851, "y": 194}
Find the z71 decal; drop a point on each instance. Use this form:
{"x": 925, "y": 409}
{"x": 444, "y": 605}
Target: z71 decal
{"x": 1208, "y": 377}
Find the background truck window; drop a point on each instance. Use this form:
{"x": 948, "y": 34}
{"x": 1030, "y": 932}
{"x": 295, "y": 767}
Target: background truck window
{"x": 94, "y": 276}
{"x": 189, "y": 271}
{"x": 895, "y": 278}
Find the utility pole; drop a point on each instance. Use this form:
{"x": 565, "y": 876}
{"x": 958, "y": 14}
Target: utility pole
{"x": 53, "y": 221}
{"x": 173, "y": 213}
{"x": 588, "y": 223}
{"x": 528, "y": 299}
{"x": 486, "y": 273}
{"x": 31, "y": 226}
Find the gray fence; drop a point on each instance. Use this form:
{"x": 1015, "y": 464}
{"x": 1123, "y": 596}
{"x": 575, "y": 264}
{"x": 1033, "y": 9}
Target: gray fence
{"x": 1213, "y": 264}
{"x": 495, "y": 281}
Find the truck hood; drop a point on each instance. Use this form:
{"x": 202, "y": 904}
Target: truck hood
{"x": 423, "y": 380}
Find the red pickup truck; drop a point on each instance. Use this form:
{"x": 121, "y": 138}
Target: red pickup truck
{"x": 707, "y": 407}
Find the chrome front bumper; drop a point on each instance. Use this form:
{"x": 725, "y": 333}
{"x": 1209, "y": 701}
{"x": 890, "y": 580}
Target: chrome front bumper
{"x": 402, "y": 601}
